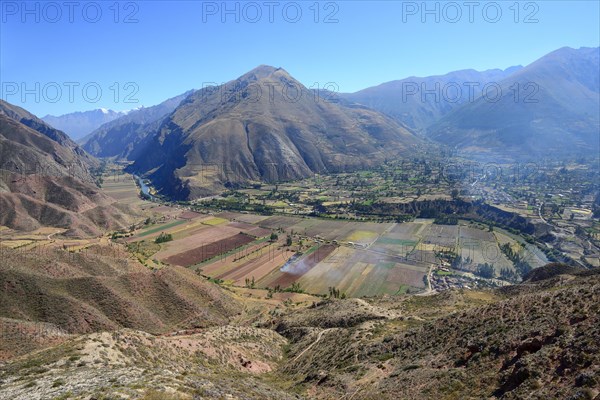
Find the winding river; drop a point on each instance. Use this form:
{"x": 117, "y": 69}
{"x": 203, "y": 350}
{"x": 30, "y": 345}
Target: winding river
{"x": 145, "y": 188}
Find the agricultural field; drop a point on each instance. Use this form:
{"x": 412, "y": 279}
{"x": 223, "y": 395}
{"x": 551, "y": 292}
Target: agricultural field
{"x": 292, "y": 252}
{"x": 296, "y": 252}
{"x": 122, "y": 188}
{"x": 40, "y": 238}
{"x": 443, "y": 236}
{"x": 480, "y": 246}
{"x": 289, "y": 252}
{"x": 255, "y": 261}
{"x": 207, "y": 251}
{"x": 362, "y": 273}
{"x": 534, "y": 256}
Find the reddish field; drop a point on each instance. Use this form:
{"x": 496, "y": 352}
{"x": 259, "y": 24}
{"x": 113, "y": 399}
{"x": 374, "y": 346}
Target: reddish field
{"x": 190, "y": 215}
{"x": 208, "y": 251}
{"x": 255, "y": 254}
{"x": 399, "y": 275}
{"x": 298, "y": 268}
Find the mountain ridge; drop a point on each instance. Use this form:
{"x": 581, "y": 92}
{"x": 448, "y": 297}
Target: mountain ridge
{"x": 80, "y": 123}
{"x": 420, "y": 101}
{"x": 120, "y": 137}
{"x": 264, "y": 125}
{"x": 553, "y": 105}
{"x": 46, "y": 179}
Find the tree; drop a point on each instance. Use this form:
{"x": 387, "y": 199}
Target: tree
{"x": 250, "y": 283}
{"x": 288, "y": 241}
{"x": 163, "y": 237}
{"x": 333, "y": 292}
{"x": 274, "y": 237}
{"x": 295, "y": 288}
{"x": 454, "y": 194}
{"x": 485, "y": 271}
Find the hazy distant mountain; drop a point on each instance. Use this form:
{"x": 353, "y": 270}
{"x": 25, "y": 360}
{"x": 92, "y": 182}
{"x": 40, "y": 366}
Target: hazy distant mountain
{"x": 45, "y": 179}
{"x": 79, "y": 124}
{"x": 119, "y": 138}
{"x": 418, "y": 102}
{"x": 264, "y": 126}
{"x": 556, "y": 112}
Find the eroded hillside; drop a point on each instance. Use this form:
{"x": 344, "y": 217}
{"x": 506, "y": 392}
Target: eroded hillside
{"x": 539, "y": 339}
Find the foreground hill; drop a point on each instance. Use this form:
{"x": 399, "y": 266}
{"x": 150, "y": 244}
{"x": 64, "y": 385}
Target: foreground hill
{"x": 80, "y": 124}
{"x": 539, "y": 339}
{"x": 122, "y": 137}
{"x": 264, "y": 126}
{"x": 102, "y": 289}
{"x": 550, "y": 107}
{"x": 418, "y": 102}
{"x": 535, "y": 340}
{"x": 46, "y": 180}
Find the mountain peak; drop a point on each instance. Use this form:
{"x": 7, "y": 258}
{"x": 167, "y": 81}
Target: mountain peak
{"x": 264, "y": 68}
{"x": 262, "y": 72}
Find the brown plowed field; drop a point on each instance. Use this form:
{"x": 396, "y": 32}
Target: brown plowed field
{"x": 208, "y": 251}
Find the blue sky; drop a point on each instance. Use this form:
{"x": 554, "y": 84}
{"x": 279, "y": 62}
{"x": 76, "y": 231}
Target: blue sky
{"x": 142, "y": 52}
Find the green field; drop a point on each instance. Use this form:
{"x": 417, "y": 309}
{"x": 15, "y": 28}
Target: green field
{"x": 161, "y": 228}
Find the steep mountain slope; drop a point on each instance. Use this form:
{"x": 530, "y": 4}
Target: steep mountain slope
{"x": 418, "y": 102}
{"x": 219, "y": 363}
{"x": 122, "y": 137}
{"x": 80, "y": 124}
{"x": 61, "y": 148}
{"x": 26, "y": 151}
{"x": 264, "y": 126}
{"x": 534, "y": 340}
{"x": 102, "y": 289}
{"x": 550, "y": 107}
{"x": 45, "y": 180}
{"x": 29, "y": 202}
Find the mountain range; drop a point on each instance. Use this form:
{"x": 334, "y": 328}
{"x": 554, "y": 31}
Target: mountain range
{"x": 549, "y": 108}
{"x": 98, "y": 322}
{"x": 266, "y": 126}
{"x": 418, "y": 102}
{"x": 81, "y": 123}
{"x": 121, "y": 137}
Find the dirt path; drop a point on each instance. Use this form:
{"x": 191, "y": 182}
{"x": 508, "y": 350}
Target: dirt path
{"x": 310, "y": 346}
{"x": 49, "y": 237}
{"x": 388, "y": 229}
{"x": 540, "y": 214}
{"x": 429, "y": 291}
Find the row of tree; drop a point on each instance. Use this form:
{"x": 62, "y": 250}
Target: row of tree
{"x": 518, "y": 260}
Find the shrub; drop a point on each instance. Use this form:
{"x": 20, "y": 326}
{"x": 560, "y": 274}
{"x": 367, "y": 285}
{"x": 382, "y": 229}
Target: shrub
{"x": 163, "y": 237}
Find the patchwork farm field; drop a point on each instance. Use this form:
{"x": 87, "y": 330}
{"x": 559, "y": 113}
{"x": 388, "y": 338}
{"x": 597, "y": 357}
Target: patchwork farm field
{"x": 207, "y": 251}
{"x": 480, "y": 246}
{"x": 315, "y": 255}
{"x": 122, "y": 187}
{"x": 362, "y": 273}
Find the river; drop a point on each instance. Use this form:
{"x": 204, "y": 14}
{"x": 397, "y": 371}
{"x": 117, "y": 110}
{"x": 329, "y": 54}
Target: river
{"x": 145, "y": 188}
